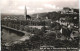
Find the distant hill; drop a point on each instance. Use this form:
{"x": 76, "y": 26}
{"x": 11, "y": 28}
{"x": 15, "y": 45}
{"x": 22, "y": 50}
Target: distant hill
{"x": 51, "y": 15}
{"x": 12, "y": 16}
{"x": 39, "y": 15}
{"x": 21, "y": 16}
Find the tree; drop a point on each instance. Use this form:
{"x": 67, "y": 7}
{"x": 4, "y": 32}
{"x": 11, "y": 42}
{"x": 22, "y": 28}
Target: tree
{"x": 43, "y": 29}
{"x": 66, "y": 32}
{"x": 35, "y": 41}
{"x": 55, "y": 25}
{"x": 53, "y": 15}
{"x": 49, "y": 38}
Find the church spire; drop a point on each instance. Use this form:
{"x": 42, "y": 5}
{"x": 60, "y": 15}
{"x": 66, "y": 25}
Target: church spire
{"x": 26, "y": 16}
{"x": 25, "y": 12}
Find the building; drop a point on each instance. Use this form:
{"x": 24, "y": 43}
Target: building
{"x": 67, "y": 10}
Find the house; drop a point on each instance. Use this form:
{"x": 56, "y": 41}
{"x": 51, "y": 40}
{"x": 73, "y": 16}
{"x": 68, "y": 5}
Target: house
{"x": 67, "y": 10}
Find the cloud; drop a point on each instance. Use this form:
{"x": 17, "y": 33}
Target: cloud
{"x": 22, "y": 7}
{"x": 7, "y": 6}
{"x": 40, "y": 8}
{"x": 3, "y": 3}
{"x": 50, "y": 6}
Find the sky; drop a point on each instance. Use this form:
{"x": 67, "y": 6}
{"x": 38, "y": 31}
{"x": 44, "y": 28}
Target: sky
{"x": 35, "y": 6}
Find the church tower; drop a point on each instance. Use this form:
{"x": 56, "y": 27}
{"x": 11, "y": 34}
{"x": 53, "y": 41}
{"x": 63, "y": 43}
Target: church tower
{"x": 25, "y": 12}
{"x": 27, "y": 17}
